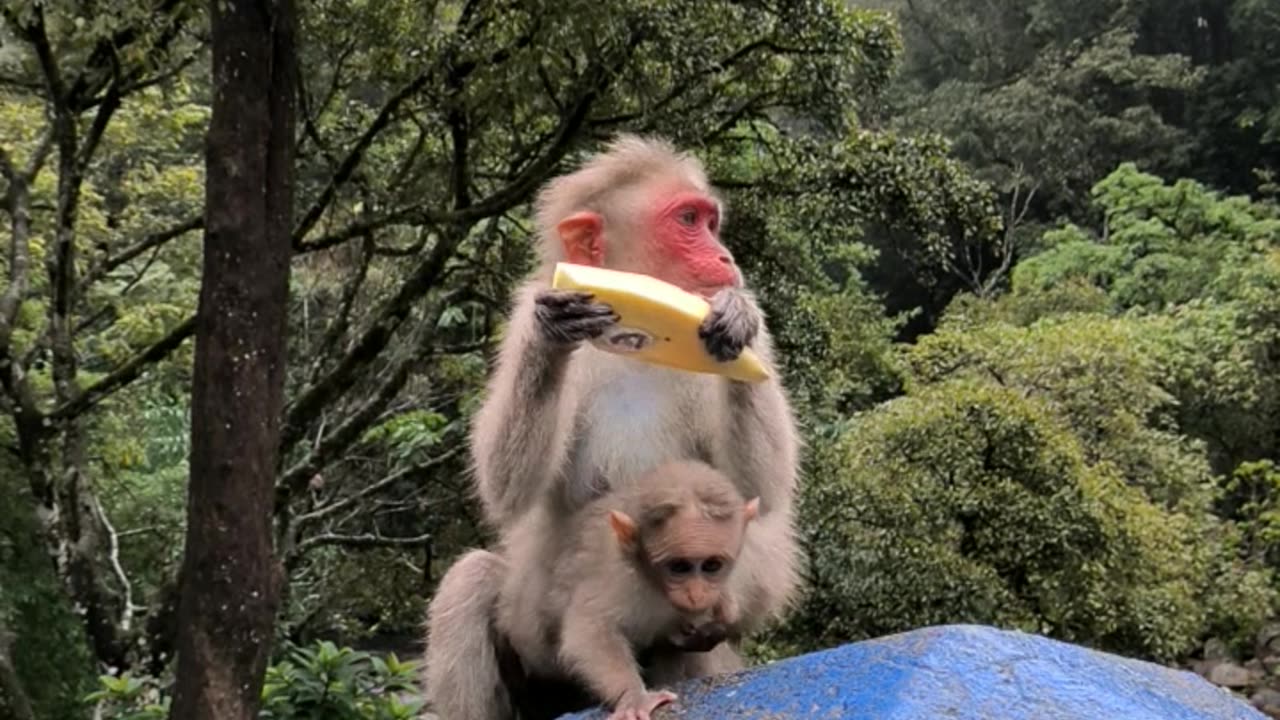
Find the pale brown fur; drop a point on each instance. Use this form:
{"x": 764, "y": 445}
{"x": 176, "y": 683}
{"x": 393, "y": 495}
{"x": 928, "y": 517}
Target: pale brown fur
{"x": 601, "y": 598}
{"x": 563, "y": 423}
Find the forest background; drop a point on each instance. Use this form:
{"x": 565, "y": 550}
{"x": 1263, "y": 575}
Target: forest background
{"x": 1021, "y": 258}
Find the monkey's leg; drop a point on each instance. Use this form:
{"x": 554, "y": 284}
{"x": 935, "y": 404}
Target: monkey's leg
{"x": 461, "y": 675}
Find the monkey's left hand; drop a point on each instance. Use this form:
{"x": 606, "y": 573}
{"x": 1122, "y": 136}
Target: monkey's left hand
{"x": 732, "y": 324}
{"x": 699, "y": 638}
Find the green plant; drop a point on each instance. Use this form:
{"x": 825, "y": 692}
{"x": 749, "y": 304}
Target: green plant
{"x": 129, "y": 697}
{"x": 325, "y": 682}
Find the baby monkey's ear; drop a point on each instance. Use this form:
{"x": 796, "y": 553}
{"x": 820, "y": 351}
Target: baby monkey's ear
{"x": 624, "y": 528}
{"x": 751, "y": 511}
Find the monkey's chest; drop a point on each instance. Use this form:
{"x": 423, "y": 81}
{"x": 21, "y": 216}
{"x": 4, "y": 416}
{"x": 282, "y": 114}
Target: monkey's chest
{"x": 637, "y": 417}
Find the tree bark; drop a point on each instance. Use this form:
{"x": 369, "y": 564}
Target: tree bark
{"x": 231, "y": 580}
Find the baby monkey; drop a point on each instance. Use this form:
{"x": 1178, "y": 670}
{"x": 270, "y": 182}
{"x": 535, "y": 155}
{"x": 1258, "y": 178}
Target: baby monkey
{"x": 649, "y": 566}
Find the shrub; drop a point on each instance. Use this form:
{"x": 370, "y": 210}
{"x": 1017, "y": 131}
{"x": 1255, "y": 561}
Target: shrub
{"x": 968, "y": 501}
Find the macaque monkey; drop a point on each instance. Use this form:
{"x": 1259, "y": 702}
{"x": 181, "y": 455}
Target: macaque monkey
{"x": 563, "y": 422}
{"x": 652, "y": 561}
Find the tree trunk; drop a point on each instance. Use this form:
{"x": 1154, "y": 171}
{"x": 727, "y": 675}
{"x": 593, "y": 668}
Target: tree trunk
{"x": 231, "y": 580}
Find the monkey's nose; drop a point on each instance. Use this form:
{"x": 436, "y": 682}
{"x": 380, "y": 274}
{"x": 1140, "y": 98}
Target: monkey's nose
{"x": 726, "y": 259}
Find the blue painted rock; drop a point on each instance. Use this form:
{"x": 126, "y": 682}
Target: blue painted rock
{"x": 955, "y": 672}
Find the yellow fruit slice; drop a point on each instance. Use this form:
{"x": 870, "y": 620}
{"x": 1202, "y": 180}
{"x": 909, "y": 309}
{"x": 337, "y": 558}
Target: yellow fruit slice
{"x": 658, "y": 321}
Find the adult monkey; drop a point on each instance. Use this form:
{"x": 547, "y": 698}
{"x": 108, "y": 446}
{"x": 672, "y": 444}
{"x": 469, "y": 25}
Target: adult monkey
{"x": 562, "y": 421}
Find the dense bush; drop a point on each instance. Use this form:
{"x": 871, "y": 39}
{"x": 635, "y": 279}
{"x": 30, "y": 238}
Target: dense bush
{"x": 971, "y": 502}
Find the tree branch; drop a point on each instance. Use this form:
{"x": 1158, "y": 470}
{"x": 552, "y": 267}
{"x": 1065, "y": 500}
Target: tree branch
{"x": 377, "y": 487}
{"x": 342, "y": 319}
{"x": 155, "y": 239}
{"x": 380, "y": 332}
{"x": 360, "y": 419}
{"x": 126, "y": 373}
{"x": 356, "y": 155}
{"x": 499, "y": 202}
{"x": 39, "y": 38}
{"x": 368, "y": 540}
{"x": 329, "y": 510}
{"x": 113, "y": 554}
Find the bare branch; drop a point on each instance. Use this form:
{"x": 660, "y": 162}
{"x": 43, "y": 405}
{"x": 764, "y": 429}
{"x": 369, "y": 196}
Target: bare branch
{"x": 296, "y": 477}
{"x": 368, "y": 540}
{"x": 499, "y": 202}
{"x": 107, "y": 109}
{"x": 356, "y": 155}
{"x": 17, "y": 201}
{"x": 377, "y": 487}
{"x": 368, "y": 346}
{"x": 113, "y": 553}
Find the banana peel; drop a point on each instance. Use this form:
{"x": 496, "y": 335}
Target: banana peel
{"x": 658, "y": 322}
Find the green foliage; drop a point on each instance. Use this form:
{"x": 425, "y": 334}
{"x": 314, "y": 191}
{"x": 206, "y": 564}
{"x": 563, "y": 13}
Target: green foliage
{"x": 968, "y": 501}
{"x": 1253, "y": 497}
{"x": 1042, "y": 95}
{"x": 129, "y": 698}
{"x": 1164, "y": 243}
{"x": 1203, "y": 271}
{"x": 48, "y": 647}
{"x": 324, "y": 682}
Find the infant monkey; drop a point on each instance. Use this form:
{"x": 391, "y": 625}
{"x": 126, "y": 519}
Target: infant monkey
{"x": 648, "y": 566}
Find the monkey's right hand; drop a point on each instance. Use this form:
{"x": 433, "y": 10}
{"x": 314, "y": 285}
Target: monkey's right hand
{"x": 638, "y": 706}
{"x": 567, "y": 317}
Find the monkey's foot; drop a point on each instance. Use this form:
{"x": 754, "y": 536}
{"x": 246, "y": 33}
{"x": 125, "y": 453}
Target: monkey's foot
{"x": 641, "y": 706}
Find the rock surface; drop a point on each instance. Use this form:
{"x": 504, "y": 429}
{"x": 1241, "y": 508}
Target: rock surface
{"x": 958, "y": 672}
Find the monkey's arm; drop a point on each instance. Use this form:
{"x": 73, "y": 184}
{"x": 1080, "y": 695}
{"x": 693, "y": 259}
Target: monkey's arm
{"x": 765, "y": 456}
{"x": 520, "y": 435}
{"x": 601, "y": 656}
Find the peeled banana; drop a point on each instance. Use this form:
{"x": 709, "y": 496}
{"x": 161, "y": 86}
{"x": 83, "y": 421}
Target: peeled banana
{"x": 658, "y": 321}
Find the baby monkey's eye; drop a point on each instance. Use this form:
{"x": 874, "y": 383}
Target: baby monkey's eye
{"x": 688, "y": 217}
{"x": 679, "y": 567}
{"x": 712, "y": 566}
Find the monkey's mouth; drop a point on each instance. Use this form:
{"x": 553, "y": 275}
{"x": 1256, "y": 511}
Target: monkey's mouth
{"x": 707, "y": 292}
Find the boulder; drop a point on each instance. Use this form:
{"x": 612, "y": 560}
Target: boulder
{"x": 958, "y": 672}
{"x": 1268, "y": 701}
{"x": 1231, "y": 675}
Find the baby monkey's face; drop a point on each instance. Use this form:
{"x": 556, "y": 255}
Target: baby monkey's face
{"x": 691, "y": 555}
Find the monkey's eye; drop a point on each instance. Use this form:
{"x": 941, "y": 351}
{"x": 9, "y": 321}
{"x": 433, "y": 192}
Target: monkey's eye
{"x": 712, "y": 566}
{"x": 680, "y": 567}
{"x": 688, "y": 217}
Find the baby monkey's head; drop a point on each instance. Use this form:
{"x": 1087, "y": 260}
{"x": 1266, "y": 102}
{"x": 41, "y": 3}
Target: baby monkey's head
{"x": 684, "y": 529}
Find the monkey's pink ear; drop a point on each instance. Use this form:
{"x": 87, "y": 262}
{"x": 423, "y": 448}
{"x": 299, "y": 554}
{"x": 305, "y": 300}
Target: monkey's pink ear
{"x": 582, "y": 235}
{"x": 624, "y": 527}
{"x": 752, "y": 510}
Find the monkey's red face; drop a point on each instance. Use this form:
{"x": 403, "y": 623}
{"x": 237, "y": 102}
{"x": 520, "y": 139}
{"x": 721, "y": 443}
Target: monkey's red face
{"x": 672, "y": 233}
{"x": 685, "y": 247}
